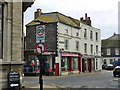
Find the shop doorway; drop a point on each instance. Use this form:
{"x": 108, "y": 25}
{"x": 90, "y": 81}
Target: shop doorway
{"x": 69, "y": 63}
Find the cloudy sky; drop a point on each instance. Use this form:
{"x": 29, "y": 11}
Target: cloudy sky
{"x": 103, "y": 13}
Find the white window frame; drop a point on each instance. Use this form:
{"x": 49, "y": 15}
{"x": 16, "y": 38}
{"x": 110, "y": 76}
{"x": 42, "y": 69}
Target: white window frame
{"x": 66, "y": 44}
{"x": 116, "y": 51}
{"x": 108, "y": 51}
{"x": 77, "y": 32}
{"x": 77, "y": 45}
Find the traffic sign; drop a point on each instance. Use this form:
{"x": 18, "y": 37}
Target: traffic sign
{"x": 40, "y": 34}
{"x": 40, "y": 48}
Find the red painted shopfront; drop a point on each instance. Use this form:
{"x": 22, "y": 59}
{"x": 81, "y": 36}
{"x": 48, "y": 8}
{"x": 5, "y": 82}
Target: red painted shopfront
{"x": 88, "y": 64}
{"x": 70, "y": 62}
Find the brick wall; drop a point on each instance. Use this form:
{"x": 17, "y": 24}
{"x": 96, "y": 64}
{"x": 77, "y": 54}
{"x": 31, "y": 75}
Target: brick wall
{"x": 50, "y": 37}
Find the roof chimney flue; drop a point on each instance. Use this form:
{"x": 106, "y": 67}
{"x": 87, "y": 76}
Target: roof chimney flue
{"x": 37, "y": 13}
{"x": 85, "y": 16}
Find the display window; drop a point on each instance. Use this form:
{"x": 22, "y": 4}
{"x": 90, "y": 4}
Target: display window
{"x": 64, "y": 63}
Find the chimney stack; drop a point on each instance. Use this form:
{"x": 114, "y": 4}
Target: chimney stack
{"x": 81, "y": 19}
{"x": 85, "y": 16}
{"x": 37, "y": 13}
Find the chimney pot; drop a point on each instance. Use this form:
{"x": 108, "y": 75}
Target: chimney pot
{"x": 85, "y": 16}
{"x": 38, "y": 13}
{"x": 88, "y": 18}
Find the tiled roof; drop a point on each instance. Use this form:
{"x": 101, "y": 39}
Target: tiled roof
{"x": 114, "y": 37}
{"x": 55, "y": 17}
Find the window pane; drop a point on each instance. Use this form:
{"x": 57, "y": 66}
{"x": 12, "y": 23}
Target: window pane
{"x": 66, "y": 44}
{"x": 108, "y": 52}
{"x": 77, "y": 46}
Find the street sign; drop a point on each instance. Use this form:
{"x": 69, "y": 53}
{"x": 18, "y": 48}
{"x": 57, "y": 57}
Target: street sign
{"x": 13, "y": 79}
{"x": 40, "y": 34}
{"x": 40, "y": 48}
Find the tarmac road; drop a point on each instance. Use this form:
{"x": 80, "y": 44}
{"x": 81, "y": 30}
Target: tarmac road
{"x": 103, "y": 79}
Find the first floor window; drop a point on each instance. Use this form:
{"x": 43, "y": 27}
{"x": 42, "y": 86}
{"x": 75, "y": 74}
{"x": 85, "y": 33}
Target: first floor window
{"x": 108, "y": 51}
{"x": 1, "y": 31}
{"x": 96, "y": 49}
{"x": 77, "y": 46}
{"x": 116, "y": 51}
{"x": 91, "y": 49}
{"x": 85, "y": 48}
{"x": 66, "y": 44}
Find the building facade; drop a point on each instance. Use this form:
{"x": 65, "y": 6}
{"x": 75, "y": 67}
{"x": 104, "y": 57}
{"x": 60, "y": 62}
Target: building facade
{"x": 11, "y": 39}
{"x": 111, "y": 49}
{"x": 64, "y": 37}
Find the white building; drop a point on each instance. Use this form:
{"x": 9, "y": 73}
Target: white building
{"x": 82, "y": 47}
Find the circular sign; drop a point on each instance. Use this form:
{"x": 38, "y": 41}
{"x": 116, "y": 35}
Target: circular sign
{"x": 40, "y": 30}
{"x": 40, "y": 48}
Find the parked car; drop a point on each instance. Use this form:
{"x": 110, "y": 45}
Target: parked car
{"x": 103, "y": 66}
{"x": 109, "y": 67}
{"x": 116, "y": 71}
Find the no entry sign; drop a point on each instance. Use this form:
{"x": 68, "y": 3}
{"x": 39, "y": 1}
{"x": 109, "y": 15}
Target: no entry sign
{"x": 40, "y": 48}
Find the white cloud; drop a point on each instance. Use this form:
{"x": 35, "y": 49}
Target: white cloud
{"x": 103, "y": 13}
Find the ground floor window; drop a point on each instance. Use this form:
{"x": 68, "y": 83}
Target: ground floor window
{"x": 105, "y": 62}
{"x": 85, "y": 64}
{"x": 64, "y": 63}
{"x": 75, "y": 63}
{"x": 111, "y": 61}
{"x": 96, "y": 64}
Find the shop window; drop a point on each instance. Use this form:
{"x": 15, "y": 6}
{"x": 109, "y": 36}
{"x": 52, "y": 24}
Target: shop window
{"x": 85, "y": 65}
{"x": 111, "y": 61}
{"x": 105, "y": 62}
{"x": 75, "y": 64}
{"x": 64, "y": 64}
{"x": 96, "y": 64}
{"x": 1, "y": 31}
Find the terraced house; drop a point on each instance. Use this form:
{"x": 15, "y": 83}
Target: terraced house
{"x": 11, "y": 38}
{"x": 71, "y": 45}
